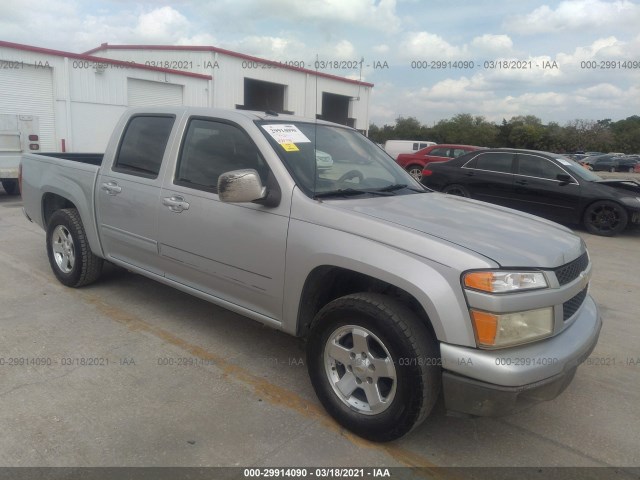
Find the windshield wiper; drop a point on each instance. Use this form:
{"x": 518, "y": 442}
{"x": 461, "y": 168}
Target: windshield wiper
{"x": 347, "y": 192}
{"x": 398, "y": 186}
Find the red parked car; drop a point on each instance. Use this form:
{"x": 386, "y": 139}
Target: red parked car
{"x": 637, "y": 168}
{"x": 415, "y": 162}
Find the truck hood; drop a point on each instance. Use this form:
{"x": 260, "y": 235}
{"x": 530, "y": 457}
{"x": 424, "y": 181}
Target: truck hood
{"x": 508, "y": 237}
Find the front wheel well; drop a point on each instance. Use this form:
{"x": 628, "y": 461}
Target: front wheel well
{"x": 326, "y": 283}
{"x": 51, "y": 203}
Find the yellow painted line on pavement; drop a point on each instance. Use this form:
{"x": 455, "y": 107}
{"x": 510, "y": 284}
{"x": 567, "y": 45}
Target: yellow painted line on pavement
{"x": 272, "y": 393}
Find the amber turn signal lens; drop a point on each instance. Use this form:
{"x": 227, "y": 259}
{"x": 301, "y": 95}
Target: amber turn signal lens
{"x": 486, "y": 326}
{"x": 479, "y": 281}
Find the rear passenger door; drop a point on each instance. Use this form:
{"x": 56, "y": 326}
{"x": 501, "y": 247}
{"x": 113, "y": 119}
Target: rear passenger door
{"x": 234, "y": 252}
{"x": 489, "y": 177}
{"x": 128, "y": 192}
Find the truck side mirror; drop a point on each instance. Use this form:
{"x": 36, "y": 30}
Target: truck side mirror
{"x": 241, "y": 186}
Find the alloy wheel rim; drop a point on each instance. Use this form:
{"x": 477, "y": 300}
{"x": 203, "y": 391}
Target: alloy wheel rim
{"x": 360, "y": 369}
{"x": 605, "y": 218}
{"x": 63, "y": 248}
{"x": 416, "y": 173}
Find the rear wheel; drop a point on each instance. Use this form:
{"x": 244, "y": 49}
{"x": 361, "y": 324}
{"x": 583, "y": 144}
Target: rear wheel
{"x": 415, "y": 171}
{"x": 11, "y": 187}
{"x": 457, "y": 190}
{"x": 70, "y": 256}
{"x": 373, "y": 365}
{"x": 605, "y": 218}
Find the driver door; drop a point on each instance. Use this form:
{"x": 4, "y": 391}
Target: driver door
{"x": 235, "y": 252}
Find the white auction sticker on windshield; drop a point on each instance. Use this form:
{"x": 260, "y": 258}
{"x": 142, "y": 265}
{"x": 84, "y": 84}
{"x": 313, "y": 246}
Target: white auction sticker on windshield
{"x": 563, "y": 161}
{"x": 286, "y": 134}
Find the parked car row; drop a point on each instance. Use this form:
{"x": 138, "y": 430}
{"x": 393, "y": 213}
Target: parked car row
{"x": 540, "y": 183}
{"x": 611, "y": 162}
{"x": 414, "y": 163}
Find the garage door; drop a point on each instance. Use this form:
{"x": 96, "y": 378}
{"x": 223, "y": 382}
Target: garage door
{"x": 143, "y": 93}
{"x": 29, "y": 91}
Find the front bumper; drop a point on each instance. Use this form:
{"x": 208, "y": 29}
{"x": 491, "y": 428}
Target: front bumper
{"x": 500, "y": 382}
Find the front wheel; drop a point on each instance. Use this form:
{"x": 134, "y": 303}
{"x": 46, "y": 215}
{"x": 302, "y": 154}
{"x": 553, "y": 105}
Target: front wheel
{"x": 11, "y": 187}
{"x": 373, "y": 365}
{"x": 70, "y": 256}
{"x": 605, "y": 218}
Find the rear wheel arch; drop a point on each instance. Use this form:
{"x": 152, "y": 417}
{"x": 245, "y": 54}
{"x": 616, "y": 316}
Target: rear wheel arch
{"x": 457, "y": 189}
{"x": 52, "y": 202}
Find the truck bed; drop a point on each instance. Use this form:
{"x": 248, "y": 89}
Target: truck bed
{"x": 88, "y": 158}
{"x": 69, "y": 176}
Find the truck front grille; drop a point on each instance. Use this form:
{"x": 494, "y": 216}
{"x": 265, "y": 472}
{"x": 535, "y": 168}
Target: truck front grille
{"x": 569, "y": 272}
{"x": 571, "y": 306}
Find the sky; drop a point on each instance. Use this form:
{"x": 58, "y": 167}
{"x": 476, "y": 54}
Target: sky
{"x": 428, "y": 59}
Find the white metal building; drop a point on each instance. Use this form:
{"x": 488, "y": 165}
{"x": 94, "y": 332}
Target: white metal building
{"x": 247, "y": 82}
{"x": 79, "y": 98}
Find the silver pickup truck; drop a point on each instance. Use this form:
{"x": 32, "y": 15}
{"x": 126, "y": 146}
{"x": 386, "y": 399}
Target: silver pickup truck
{"x": 401, "y": 293}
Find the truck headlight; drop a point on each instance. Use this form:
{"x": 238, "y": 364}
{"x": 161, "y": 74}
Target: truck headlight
{"x": 503, "y": 281}
{"x": 501, "y": 330}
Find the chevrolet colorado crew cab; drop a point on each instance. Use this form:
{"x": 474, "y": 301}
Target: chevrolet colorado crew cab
{"x": 402, "y": 293}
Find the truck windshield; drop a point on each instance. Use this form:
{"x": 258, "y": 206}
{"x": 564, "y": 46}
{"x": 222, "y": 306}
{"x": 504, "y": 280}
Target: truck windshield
{"x": 327, "y": 160}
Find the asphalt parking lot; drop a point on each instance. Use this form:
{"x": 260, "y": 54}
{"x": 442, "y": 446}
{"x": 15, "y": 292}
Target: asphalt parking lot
{"x": 128, "y": 372}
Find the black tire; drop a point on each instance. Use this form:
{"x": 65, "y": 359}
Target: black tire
{"x": 415, "y": 171}
{"x": 605, "y": 218}
{"x": 70, "y": 255}
{"x": 11, "y": 187}
{"x": 395, "y": 340}
{"x": 457, "y": 190}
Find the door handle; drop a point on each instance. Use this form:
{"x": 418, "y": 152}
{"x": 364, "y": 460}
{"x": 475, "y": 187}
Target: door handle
{"x": 469, "y": 174}
{"x": 112, "y": 188}
{"x": 522, "y": 182}
{"x": 175, "y": 203}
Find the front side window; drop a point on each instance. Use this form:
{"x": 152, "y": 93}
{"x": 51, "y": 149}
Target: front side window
{"x": 143, "y": 144}
{"x": 494, "y": 162}
{"x": 212, "y": 148}
{"x": 533, "y": 166}
{"x": 576, "y": 169}
{"x": 325, "y": 158}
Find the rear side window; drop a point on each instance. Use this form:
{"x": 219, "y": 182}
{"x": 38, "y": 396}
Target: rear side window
{"x": 494, "y": 162}
{"x": 439, "y": 152}
{"x": 143, "y": 144}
